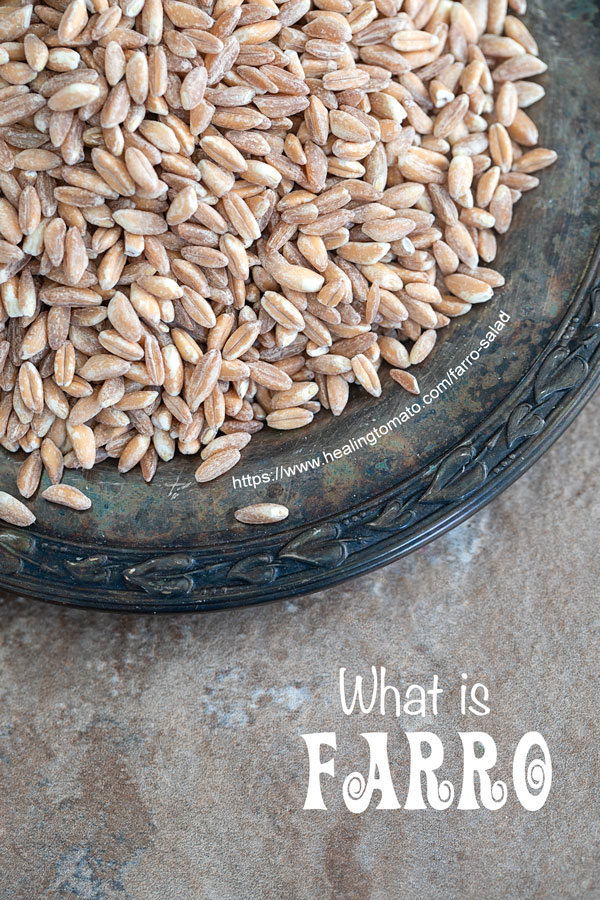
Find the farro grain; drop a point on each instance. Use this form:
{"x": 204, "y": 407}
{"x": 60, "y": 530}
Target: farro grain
{"x": 534, "y": 160}
{"x": 500, "y": 207}
{"x": 262, "y": 513}
{"x": 29, "y": 475}
{"x": 422, "y": 347}
{"x": 290, "y": 418}
{"x": 217, "y": 464}
{"x": 133, "y": 452}
{"x": 67, "y": 495}
{"x": 469, "y": 289}
{"x": 14, "y": 512}
{"x": 406, "y": 380}
{"x": 52, "y": 459}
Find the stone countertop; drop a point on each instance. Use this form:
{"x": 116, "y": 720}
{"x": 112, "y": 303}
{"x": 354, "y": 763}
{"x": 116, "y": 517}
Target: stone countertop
{"x": 162, "y": 758}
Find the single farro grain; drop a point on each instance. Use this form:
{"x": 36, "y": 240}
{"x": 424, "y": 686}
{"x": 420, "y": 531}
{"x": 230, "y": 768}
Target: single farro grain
{"x": 262, "y": 513}
{"x": 29, "y": 475}
{"x": 67, "y": 495}
{"x": 14, "y": 512}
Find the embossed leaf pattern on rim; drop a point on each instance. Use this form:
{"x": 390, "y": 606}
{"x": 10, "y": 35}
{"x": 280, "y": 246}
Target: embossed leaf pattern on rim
{"x": 422, "y": 507}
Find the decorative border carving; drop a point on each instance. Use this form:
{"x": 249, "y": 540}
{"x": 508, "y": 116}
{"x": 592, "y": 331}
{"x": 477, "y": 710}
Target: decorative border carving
{"x": 415, "y": 511}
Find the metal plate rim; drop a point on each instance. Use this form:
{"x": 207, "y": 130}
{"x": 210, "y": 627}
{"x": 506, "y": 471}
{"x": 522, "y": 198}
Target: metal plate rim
{"x": 166, "y": 589}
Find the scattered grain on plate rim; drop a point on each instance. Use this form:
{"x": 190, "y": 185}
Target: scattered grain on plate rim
{"x": 14, "y": 512}
{"x": 215, "y": 218}
{"x": 67, "y": 495}
{"x": 262, "y": 513}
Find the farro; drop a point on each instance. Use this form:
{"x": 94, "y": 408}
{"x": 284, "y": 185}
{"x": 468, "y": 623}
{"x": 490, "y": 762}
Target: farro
{"x": 224, "y": 214}
{"x": 14, "y": 512}
{"x": 262, "y": 513}
{"x": 67, "y": 495}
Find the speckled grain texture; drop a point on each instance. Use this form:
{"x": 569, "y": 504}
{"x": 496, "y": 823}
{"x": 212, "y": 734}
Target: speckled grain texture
{"x": 161, "y": 759}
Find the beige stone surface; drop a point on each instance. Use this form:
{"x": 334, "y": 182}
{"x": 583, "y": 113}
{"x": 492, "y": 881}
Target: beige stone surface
{"x": 161, "y": 758}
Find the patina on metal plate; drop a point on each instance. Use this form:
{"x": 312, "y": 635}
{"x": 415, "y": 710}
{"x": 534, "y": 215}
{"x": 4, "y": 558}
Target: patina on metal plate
{"x": 175, "y": 545}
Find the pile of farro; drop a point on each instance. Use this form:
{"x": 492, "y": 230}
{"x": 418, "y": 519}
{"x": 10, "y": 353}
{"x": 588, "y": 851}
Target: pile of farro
{"x": 220, "y": 214}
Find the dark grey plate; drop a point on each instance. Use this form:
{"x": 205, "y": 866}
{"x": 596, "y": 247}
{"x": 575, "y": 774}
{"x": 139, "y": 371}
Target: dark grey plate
{"x": 175, "y": 546}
